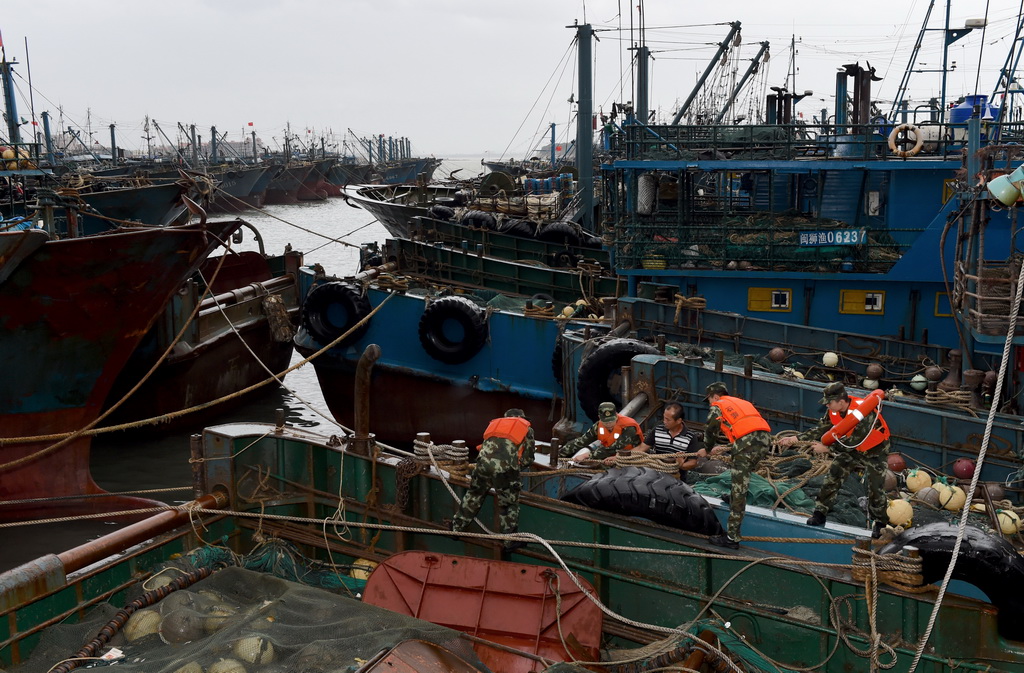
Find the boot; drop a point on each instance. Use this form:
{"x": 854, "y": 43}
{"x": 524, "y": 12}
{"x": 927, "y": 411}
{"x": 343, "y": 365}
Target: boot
{"x": 512, "y": 545}
{"x": 724, "y": 541}
{"x": 816, "y": 519}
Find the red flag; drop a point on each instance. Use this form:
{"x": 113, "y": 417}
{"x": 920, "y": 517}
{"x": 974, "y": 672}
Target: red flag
{"x": 250, "y": 123}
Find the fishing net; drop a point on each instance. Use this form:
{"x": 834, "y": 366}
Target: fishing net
{"x": 241, "y": 621}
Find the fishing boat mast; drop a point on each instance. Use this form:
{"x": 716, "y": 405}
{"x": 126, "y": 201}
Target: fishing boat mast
{"x": 584, "y": 128}
{"x": 10, "y": 105}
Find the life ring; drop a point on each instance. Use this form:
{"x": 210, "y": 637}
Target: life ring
{"x": 453, "y": 329}
{"x": 331, "y": 309}
{"x": 853, "y": 417}
{"x": 909, "y": 128}
{"x": 987, "y": 561}
{"x": 598, "y": 379}
{"x": 654, "y": 495}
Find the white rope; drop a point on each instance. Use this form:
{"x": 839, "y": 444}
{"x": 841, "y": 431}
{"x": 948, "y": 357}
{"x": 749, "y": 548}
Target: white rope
{"x": 977, "y": 470}
{"x": 444, "y": 480}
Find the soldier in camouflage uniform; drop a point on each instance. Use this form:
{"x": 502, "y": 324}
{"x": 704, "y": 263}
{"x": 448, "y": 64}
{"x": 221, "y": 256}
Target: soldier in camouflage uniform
{"x": 865, "y": 447}
{"x": 612, "y": 433}
{"x": 508, "y": 445}
{"x": 749, "y": 439}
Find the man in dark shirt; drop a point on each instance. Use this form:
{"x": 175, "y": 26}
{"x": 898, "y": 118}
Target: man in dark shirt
{"x": 673, "y": 437}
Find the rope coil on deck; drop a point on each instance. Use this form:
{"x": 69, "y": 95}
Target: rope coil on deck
{"x": 901, "y": 572}
{"x": 452, "y": 459}
{"x": 661, "y": 463}
{"x": 387, "y": 281}
{"x": 693, "y": 303}
{"x": 955, "y": 398}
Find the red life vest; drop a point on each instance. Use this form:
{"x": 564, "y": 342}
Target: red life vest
{"x": 739, "y": 417}
{"x": 879, "y": 433}
{"x": 608, "y": 437}
{"x": 513, "y": 428}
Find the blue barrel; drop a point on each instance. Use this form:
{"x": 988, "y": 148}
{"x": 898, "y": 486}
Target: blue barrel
{"x": 961, "y": 113}
{"x": 568, "y": 184}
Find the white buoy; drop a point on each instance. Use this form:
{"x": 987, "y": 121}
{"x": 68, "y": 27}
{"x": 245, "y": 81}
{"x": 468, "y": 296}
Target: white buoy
{"x": 870, "y": 384}
{"x": 830, "y": 359}
{"x": 1008, "y": 520}
{"x": 919, "y": 383}
{"x": 900, "y": 513}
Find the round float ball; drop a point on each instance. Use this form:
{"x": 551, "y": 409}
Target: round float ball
{"x": 896, "y": 462}
{"x": 933, "y": 373}
{"x": 900, "y": 512}
{"x": 870, "y": 384}
{"x": 254, "y": 649}
{"x": 776, "y": 354}
{"x": 891, "y": 481}
{"x": 142, "y": 623}
{"x": 830, "y": 359}
{"x": 928, "y": 495}
{"x": 944, "y": 492}
{"x": 874, "y": 371}
{"x": 995, "y": 491}
{"x": 918, "y": 479}
{"x": 990, "y": 378}
{"x": 1008, "y": 520}
{"x": 955, "y": 501}
{"x": 919, "y": 383}
{"x": 362, "y": 568}
{"x": 963, "y": 468}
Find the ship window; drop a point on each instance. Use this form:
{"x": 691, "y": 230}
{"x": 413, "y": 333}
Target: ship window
{"x": 873, "y": 204}
{"x": 861, "y": 302}
{"x": 778, "y": 299}
{"x": 943, "y": 309}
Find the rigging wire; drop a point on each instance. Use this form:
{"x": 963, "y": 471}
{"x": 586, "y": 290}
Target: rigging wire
{"x": 981, "y": 51}
{"x": 533, "y": 106}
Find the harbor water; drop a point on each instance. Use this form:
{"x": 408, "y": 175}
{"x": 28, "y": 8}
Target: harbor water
{"x": 328, "y": 233}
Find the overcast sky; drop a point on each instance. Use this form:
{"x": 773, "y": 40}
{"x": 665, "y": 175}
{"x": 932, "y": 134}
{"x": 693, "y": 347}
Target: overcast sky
{"x": 454, "y": 76}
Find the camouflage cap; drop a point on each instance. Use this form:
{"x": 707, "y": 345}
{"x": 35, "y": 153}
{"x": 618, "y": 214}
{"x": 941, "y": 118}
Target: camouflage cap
{"x": 833, "y": 391}
{"x": 515, "y": 412}
{"x": 606, "y": 412}
{"x": 716, "y": 388}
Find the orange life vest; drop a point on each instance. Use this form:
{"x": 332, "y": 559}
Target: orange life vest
{"x": 608, "y": 437}
{"x": 513, "y": 428}
{"x": 739, "y": 417}
{"x": 879, "y": 433}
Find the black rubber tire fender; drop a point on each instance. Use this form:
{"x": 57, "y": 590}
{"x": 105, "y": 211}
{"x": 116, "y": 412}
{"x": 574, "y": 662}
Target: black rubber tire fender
{"x": 603, "y": 366}
{"x": 988, "y": 562}
{"x": 520, "y": 228}
{"x": 648, "y": 493}
{"x": 440, "y": 212}
{"x": 556, "y": 360}
{"x": 561, "y": 232}
{"x": 468, "y": 318}
{"x": 331, "y": 309}
{"x": 479, "y": 219}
